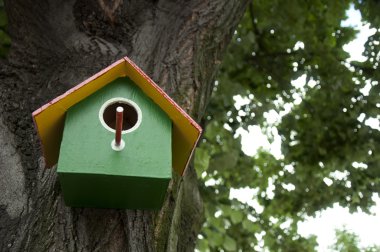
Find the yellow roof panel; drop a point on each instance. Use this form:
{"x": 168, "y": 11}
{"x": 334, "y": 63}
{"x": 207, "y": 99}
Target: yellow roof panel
{"x": 49, "y": 119}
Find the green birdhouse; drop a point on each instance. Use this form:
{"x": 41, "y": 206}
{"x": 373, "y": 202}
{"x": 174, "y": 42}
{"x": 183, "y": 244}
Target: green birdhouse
{"x": 115, "y": 139}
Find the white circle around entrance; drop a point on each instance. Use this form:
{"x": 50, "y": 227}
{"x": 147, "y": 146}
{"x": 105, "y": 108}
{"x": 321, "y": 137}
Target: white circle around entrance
{"x": 132, "y": 115}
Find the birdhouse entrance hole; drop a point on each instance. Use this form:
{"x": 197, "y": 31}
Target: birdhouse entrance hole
{"x": 131, "y": 115}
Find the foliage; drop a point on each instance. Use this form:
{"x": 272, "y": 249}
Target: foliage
{"x": 5, "y": 41}
{"x": 347, "y": 241}
{"x": 330, "y": 154}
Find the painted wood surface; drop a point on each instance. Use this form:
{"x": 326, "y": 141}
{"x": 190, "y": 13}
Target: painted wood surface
{"x": 92, "y": 174}
{"x": 49, "y": 119}
{"x": 119, "y": 125}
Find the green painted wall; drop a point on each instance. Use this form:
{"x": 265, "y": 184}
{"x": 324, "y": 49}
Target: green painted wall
{"x": 92, "y": 174}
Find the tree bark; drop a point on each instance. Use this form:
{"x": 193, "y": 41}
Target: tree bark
{"x": 57, "y": 44}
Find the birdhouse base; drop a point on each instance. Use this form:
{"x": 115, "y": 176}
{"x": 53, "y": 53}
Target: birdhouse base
{"x": 110, "y": 191}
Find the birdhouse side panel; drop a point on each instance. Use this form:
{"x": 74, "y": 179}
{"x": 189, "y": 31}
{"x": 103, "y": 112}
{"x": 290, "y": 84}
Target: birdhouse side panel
{"x": 93, "y": 174}
{"x": 86, "y": 144}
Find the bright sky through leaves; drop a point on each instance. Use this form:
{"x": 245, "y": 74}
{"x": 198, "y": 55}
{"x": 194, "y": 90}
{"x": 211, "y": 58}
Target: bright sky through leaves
{"x": 365, "y": 226}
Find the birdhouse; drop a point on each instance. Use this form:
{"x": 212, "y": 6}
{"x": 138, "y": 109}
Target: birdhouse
{"x": 115, "y": 139}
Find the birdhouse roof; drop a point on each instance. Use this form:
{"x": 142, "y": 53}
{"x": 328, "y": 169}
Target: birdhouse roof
{"x": 49, "y": 119}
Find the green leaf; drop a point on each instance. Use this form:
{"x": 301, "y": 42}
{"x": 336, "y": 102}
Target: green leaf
{"x": 249, "y": 226}
{"x": 202, "y": 159}
{"x": 236, "y": 216}
{"x": 229, "y": 244}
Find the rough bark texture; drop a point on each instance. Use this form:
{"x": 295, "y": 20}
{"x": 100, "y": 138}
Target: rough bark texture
{"x": 57, "y": 44}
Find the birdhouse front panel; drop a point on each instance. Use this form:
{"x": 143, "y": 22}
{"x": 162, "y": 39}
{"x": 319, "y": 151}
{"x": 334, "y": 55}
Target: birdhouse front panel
{"x": 96, "y": 172}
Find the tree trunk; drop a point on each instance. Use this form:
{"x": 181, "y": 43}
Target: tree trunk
{"x": 57, "y": 44}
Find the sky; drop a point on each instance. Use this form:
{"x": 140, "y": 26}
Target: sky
{"x": 324, "y": 224}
